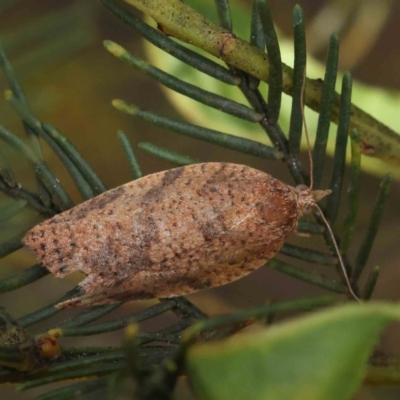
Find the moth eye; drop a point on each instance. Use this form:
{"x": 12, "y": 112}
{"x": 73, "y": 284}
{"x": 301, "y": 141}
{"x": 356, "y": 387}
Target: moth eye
{"x": 301, "y": 188}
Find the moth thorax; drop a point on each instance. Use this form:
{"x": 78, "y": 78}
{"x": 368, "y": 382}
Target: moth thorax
{"x": 307, "y": 198}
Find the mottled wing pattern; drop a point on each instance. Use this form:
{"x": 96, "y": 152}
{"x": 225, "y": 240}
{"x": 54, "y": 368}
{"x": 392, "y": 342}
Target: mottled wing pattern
{"x": 169, "y": 233}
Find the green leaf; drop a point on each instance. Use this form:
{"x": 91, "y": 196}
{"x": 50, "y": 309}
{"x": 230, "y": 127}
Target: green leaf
{"x": 318, "y": 357}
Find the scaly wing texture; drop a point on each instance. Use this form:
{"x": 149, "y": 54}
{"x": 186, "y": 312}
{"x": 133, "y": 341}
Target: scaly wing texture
{"x": 170, "y": 233}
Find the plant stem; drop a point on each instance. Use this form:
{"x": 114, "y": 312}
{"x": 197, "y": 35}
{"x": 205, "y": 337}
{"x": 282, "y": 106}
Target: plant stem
{"x": 378, "y": 140}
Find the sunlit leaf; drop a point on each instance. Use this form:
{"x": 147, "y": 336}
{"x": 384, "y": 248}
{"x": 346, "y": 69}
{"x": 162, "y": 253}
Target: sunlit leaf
{"x": 318, "y": 357}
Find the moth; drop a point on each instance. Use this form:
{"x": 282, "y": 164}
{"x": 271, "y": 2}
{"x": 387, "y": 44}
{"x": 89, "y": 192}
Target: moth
{"x": 176, "y": 232}
{"x": 171, "y": 233}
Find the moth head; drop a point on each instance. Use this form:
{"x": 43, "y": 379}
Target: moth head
{"x": 307, "y": 198}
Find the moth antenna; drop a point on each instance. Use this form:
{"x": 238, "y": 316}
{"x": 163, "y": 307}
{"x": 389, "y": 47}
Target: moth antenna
{"x": 341, "y": 262}
{"x": 346, "y": 277}
{"x": 303, "y": 89}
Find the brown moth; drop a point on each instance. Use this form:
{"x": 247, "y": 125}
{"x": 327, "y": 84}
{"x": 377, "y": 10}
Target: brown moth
{"x": 171, "y": 233}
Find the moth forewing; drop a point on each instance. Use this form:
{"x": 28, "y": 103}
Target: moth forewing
{"x": 171, "y": 233}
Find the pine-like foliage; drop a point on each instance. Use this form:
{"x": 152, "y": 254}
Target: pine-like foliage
{"x": 150, "y": 362}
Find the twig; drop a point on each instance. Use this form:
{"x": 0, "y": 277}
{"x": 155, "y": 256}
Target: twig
{"x": 381, "y": 141}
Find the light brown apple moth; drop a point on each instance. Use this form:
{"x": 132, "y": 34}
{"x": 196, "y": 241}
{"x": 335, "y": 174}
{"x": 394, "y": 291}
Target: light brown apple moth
{"x": 171, "y": 233}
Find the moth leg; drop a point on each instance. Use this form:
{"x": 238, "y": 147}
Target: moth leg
{"x": 87, "y": 300}
{"x": 107, "y": 296}
{"x": 301, "y": 234}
